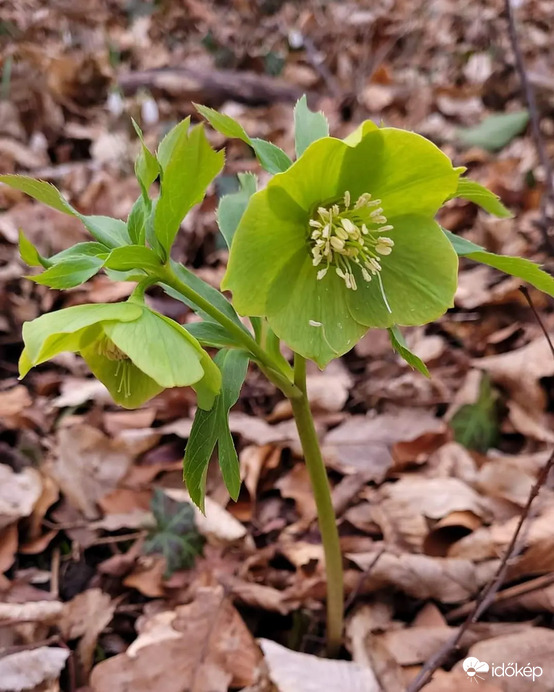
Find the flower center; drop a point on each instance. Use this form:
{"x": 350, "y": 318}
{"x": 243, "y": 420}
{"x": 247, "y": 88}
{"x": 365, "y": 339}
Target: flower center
{"x": 346, "y": 234}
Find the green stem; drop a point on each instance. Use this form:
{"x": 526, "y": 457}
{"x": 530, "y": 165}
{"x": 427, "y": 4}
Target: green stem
{"x": 271, "y": 369}
{"x": 325, "y": 511}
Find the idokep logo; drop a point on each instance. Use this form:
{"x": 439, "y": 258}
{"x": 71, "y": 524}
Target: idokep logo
{"x": 475, "y": 669}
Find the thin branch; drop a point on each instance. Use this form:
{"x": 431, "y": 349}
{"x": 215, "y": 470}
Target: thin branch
{"x": 487, "y": 596}
{"x": 535, "y": 127}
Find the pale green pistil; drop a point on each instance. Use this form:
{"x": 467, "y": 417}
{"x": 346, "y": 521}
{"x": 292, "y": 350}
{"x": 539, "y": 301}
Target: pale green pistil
{"x": 344, "y": 235}
{"x": 109, "y": 350}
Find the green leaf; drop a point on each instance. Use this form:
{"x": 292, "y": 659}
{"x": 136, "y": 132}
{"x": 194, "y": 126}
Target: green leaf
{"x": 169, "y": 142}
{"x": 68, "y": 273}
{"x": 209, "y": 293}
{"x": 132, "y": 257}
{"x": 270, "y": 156}
{"x": 212, "y": 335}
{"x": 399, "y": 345}
{"x": 496, "y": 131}
{"x": 110, "y": 232}
{"x": 87, "y": 249}
{"x": 191, "y": 167}
{"x": 514, "y": 266}
{"x": 136, "y": 222}
{"x": 308, "y": 126}
{"x": 29, "y": 254}
{"x": 176, "y": 536}
{"x": 231, "y": 207}
{"x": 480, "y": 195}
{"x": 212, "y": 427}
{"x": 147, "y": 167}
{"x": 223, "y": 123}
{"x": 476, "y": 426}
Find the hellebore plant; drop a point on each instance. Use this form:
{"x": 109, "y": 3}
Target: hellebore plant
{"x": 338, "y": 242}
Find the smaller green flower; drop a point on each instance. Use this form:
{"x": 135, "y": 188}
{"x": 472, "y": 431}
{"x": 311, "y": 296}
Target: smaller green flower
{"x": 345, "y": 240}
{"x": 135, "y": 352}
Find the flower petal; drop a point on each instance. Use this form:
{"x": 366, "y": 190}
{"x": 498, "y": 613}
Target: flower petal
{"x": 51, "y": 334}
{"x": 310, "y": 315}
{"x": 419, "y": 278}
{"x": 128, "y": 386}
{"x": 404, "y": 170}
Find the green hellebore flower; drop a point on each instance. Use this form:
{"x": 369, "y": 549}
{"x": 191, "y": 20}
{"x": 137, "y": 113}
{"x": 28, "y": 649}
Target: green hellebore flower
{"x": 345, "y": 240}
{"x": 133, "y": 350}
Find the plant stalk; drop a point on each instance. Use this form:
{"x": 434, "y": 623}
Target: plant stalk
{"x": 325, "y": 511}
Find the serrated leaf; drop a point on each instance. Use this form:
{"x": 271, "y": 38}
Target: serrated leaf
{"x": 270, "y": 156}
{"x": 176, "y": 536}
{"x": 476, "y": 426}
{"x": 212, "y": 427}
{"x": 29, "y": 254}
{"x": 308, "y": 126}
{"x": 132, "y": 257}
{"x": 136, "y": 221}
{"x": 514, "y": 266}
{"x": 480, "y": 195}
{"x": 147, "y": 167}
{"x": 168, "y": 143}
{"x": 223, "y": 123}
{"x": 69, "y": 273}
{"x": 495, "y": 131}
{"x": 187, "y": 172}
{"x": 399, "y": 345}
{"x": 110, "y": 232}
{"x": 87, "y": 249}
{"x": 231, "y": 207}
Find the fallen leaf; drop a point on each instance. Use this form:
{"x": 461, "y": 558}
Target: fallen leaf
{"x": 36, "y": 611}
{"x": 19, "y": 492}
{"x": 27, "y": 669}
{"x": 292, "y": 671}
{"x": 84, "y": 618}
{"x": 202, "y": 647}
{"x": 9, "y": 539}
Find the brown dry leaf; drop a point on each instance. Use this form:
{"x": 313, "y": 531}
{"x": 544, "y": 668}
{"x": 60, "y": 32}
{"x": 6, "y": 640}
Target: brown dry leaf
{"x": 292, "y": 671}
{"x": 362, "y": 444}
{"x": 532, "y": 647}
{"x": 446, "y": 579}
{"x": 87, "y": 465}
{"x": 479, "y": 286}
{"x": 519, "y": 372}
{"x": 504, "y": 478}
{"x": 449, "y": 530}
{"x": 402, "y": 509}
{"x": 19, "y": 492}
{"x": 8, "y": 546}
{"x": 296, "y": 486}
{"x": 12, "y": 403}
{"x": 75, "y": 391}
{"x": 147, "y": 575}
{"x": 459, "y": 681}
{"x": 26, "y": 670}
{"x": 36, "y": 611}
{"x": 85, "y": 617}
{"x": 202, "y": 647}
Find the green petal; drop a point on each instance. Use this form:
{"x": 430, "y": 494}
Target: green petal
{"x": 311, "y": 315}
{"x": 419, "y": 278}
{"x": 270, "y": 232}
{"x": 166, "y": 354}
{"x": 406, "y": 171}
{"x": 128, "y": 386}
{"x": 60, "y": 331}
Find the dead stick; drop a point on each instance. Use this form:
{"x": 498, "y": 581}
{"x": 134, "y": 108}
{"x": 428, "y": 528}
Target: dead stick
{"x": 535, "y": 127}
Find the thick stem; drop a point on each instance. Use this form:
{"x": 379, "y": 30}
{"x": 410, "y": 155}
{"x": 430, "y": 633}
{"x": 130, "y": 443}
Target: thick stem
{"x": 325, "y": 511}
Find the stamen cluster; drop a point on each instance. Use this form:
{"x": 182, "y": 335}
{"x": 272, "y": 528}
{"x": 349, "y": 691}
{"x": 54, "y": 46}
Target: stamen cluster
{"x": 108, "y": 349}
{"x": 345, "y": 234}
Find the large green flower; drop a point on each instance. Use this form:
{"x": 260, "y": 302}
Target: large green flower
{"x": 133, "y": 350}
{"x": 345, "y": 239}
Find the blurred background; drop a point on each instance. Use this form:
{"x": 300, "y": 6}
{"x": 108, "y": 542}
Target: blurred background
{"x": 429, "y": 476}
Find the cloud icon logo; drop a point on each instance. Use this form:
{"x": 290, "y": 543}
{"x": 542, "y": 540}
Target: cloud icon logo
{"x": 473, "y": 666}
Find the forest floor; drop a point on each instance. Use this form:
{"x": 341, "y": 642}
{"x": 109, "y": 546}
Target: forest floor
{"x": 429, "y": 476}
